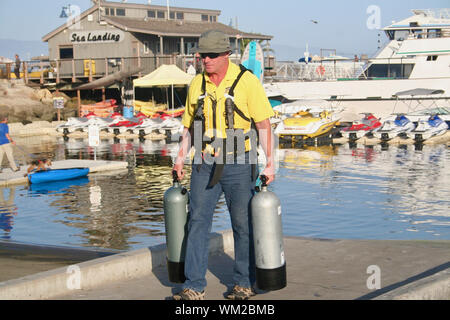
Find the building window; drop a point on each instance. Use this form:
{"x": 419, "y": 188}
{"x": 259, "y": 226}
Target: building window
{"x": 146, "y": 47}
{"x": 205, "y": 17}
{"x": 212, "y": 19}
{"x": 151, "y": 14}
{"x": 66, "y": 53}
{"x": 432, "y": 58}
{"x": 110, "y": 11}
{"x": 120, "y": 12}
{"x": 177, "y": 15}
{"x": 161, "y": 15}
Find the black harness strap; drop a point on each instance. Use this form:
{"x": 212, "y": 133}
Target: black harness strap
{"x": 218, "y": 167}
{"x": 243, "y": 70}
{"x": 198, "y": 124}
{"x": 199, "y": 116}
{"x": 231, "y": 92}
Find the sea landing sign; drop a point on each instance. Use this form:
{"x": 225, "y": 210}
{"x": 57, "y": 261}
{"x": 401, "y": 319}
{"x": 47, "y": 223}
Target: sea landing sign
{"x": 92, "y": 37}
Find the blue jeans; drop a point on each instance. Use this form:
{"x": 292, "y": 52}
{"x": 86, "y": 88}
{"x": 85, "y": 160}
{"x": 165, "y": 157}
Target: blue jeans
{"x": 237, "y": 184}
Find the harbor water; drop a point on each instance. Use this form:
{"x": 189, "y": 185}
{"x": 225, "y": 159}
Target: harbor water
{"x": 333, "y": 191}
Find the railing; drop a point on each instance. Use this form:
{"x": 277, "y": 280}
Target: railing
{"x": 97, "y": 68}
{"x": 71, "y": 70}
{"x": 392, "y": 68}
{"x": 316, "y": 71}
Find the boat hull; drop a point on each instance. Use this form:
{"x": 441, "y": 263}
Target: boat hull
{"x": 51, "y": 175}
{"x": 307, "y": 132}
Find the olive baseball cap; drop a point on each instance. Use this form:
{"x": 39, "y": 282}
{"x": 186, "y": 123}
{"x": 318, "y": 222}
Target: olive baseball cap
{"x": 213, "y": 41}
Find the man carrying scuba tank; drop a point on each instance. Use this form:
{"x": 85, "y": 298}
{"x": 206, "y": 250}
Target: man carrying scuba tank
{"x": 226, "y": 109}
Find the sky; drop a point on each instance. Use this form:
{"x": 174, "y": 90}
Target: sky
{"x": 341, "y": 25}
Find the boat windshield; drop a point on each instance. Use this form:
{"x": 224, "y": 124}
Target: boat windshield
{"x": 398, "y": 35}
{"x": 394, "y": 70}
{"x": 404, "y": 34}
{"x": 368, "y": 121}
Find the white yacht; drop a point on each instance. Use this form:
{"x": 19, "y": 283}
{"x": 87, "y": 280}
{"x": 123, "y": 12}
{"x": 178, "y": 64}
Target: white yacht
{"x": 417, "y": 56}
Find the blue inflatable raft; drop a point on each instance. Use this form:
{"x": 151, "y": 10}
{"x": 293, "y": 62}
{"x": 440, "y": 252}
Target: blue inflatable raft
{"x": 52, "y": 175}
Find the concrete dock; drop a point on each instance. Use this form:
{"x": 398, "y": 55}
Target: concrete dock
{"x": 317, "y": 269}
{"x": 18, "y": 259}
{"x": 8, "y": 177}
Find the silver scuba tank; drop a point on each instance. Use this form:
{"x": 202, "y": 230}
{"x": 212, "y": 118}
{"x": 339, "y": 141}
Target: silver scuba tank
{"x": 268, "y": 239}
{"x": 176, "y": 201}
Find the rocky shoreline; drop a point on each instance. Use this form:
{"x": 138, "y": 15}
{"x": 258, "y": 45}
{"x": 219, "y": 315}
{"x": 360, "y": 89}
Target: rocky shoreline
{"x": 35, "y": 128}
{"x": 25, "y": 104}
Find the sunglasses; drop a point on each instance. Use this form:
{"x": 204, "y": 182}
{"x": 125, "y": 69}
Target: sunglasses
{"x": 211, "y": 55}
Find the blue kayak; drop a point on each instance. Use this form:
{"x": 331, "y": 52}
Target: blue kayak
{"x": 51, "y": 175}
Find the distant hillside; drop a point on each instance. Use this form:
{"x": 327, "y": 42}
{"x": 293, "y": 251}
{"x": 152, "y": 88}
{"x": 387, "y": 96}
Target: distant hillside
{"x": 25, "y": 49}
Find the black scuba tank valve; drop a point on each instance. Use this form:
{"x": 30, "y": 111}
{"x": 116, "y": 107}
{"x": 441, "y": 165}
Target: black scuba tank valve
{"x": 268, "y": 239}
{"x": 176, "y": 201}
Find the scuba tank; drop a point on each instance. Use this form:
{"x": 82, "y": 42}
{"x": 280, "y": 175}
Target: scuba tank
{"x": 176, "y": 201}
{"x": 268, "y": 239}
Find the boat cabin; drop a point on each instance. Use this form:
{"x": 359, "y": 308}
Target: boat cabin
{"x": 418, "y": 47}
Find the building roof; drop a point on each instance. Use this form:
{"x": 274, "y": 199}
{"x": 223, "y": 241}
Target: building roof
{"x": 174, "y": 28}
{"x": 177, "y": 28}
{"x": 155, "y": 7}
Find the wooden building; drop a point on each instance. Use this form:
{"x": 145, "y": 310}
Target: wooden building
{"x": 115, "y": 36}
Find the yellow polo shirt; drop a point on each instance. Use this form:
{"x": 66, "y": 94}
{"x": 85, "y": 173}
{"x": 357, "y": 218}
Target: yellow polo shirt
{"x": 249, "y": 97}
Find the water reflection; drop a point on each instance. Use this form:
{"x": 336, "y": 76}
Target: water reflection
{"x": 348, "y": 191}
{"x": 309, "y": 157}
{"x": 418, "y": 178}
{"x": 111, "y": 211}
{"x": 8, "y": 210}
{"x": 57, "y": 187}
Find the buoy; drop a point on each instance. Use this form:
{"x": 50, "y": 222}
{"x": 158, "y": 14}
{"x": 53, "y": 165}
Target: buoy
{"x": 320, "y": 70}
{"x": 176, "y": 200}
{"x": 268, "y": 239}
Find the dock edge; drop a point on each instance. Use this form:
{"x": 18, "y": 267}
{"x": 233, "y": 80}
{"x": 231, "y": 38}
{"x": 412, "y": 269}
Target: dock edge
{"x": 94, "y": 273}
